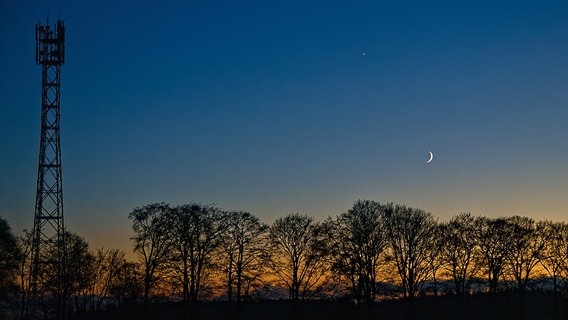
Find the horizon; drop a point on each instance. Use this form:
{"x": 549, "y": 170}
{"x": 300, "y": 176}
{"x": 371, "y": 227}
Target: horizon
{"x": 291, "y": 107}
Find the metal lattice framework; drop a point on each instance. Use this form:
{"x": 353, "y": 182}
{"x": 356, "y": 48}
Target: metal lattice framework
{"x": 47, "y": 294}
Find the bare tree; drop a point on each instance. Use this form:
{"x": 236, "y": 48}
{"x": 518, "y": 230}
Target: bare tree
{"x": 9, "y": 254}
{"x": 410, "y": 234}
{"x": 25, "y": 243}
{"x": 128, "y": 285}
{"x": 493, "y": 242}
{"x": 459, "y": 250}
{"x": 78, "y": 269}
{"x": 435, "y": 257}
{"x": 196, "y": 233}
{"x": 77, "y": 274}
{"x": 562, "y": 251}
{"x": 554, "y": 254}
{"x": 107, "y": 264}
{"x": 298, "y": 253}
{"x": 151, "y": 241}
{"x": 244, "y": 243}
{"x": 70, "y": 281}
{"x": 525, "y": 248}
{"x": 10, "y": 257}
{"x": 359, "y": 242}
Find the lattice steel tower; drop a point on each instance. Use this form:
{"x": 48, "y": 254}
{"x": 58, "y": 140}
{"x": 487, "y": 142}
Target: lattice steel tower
{"x": 47, "y": 294}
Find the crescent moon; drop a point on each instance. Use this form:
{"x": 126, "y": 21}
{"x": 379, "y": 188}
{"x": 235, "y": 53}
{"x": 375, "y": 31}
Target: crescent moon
{"x": 431, "y": 157}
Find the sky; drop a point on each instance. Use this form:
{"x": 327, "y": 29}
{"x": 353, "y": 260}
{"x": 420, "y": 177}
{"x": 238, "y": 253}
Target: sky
{"x": 275, "y": 107}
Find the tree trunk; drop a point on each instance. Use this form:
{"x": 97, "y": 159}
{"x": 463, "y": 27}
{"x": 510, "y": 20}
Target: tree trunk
{"x": 239, "y": 281}
{"x": 230, "y": 279}
{"x": 185, "y": 283}
{"x": 147, "y": 288}
{"x": 192, "y": 284}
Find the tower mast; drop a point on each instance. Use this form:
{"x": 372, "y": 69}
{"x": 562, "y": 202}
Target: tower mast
{"x": 48, "y": 281}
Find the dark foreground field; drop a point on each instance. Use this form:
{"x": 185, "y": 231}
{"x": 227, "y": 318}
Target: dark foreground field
{"x": 501, "y": 306}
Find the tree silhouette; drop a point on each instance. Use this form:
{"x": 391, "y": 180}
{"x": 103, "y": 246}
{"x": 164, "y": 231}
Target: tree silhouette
{"x": 410, "y": 233}
{"x": 526, "y": 244}
{"x": 106, "y": 266}
{"x": 151, "y": 241}
{"x": 298, "y": 253}
{"x": 554, "y": 254}
{"x": 435, "y": 257}
{"x": 196, "y": 232}
{"x": 459, "y": 250}
{"x": 493, "y": 242}
{"x": 128, "y": 284}
{"x": 79, "y": 269}
{"x": 203, "y": 252}
{"x": 76, "y": 275}
{"x": 359, "y": 241}
{"x": 10, "y": 256}
{"x": 24, "y": 267}
{"x": 243, "y": 245}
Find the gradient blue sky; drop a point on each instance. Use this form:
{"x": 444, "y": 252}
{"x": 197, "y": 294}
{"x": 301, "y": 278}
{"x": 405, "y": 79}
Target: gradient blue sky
{"x": 282, "y": 106}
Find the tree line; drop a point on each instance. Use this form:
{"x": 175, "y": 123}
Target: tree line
{"x": 373, "y": 251}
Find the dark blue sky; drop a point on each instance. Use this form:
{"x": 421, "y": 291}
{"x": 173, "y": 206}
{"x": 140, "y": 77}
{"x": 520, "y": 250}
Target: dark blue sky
{"x": 279, "y": 106}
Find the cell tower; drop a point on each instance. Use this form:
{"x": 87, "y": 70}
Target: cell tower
{"x": 48, "y": 276}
